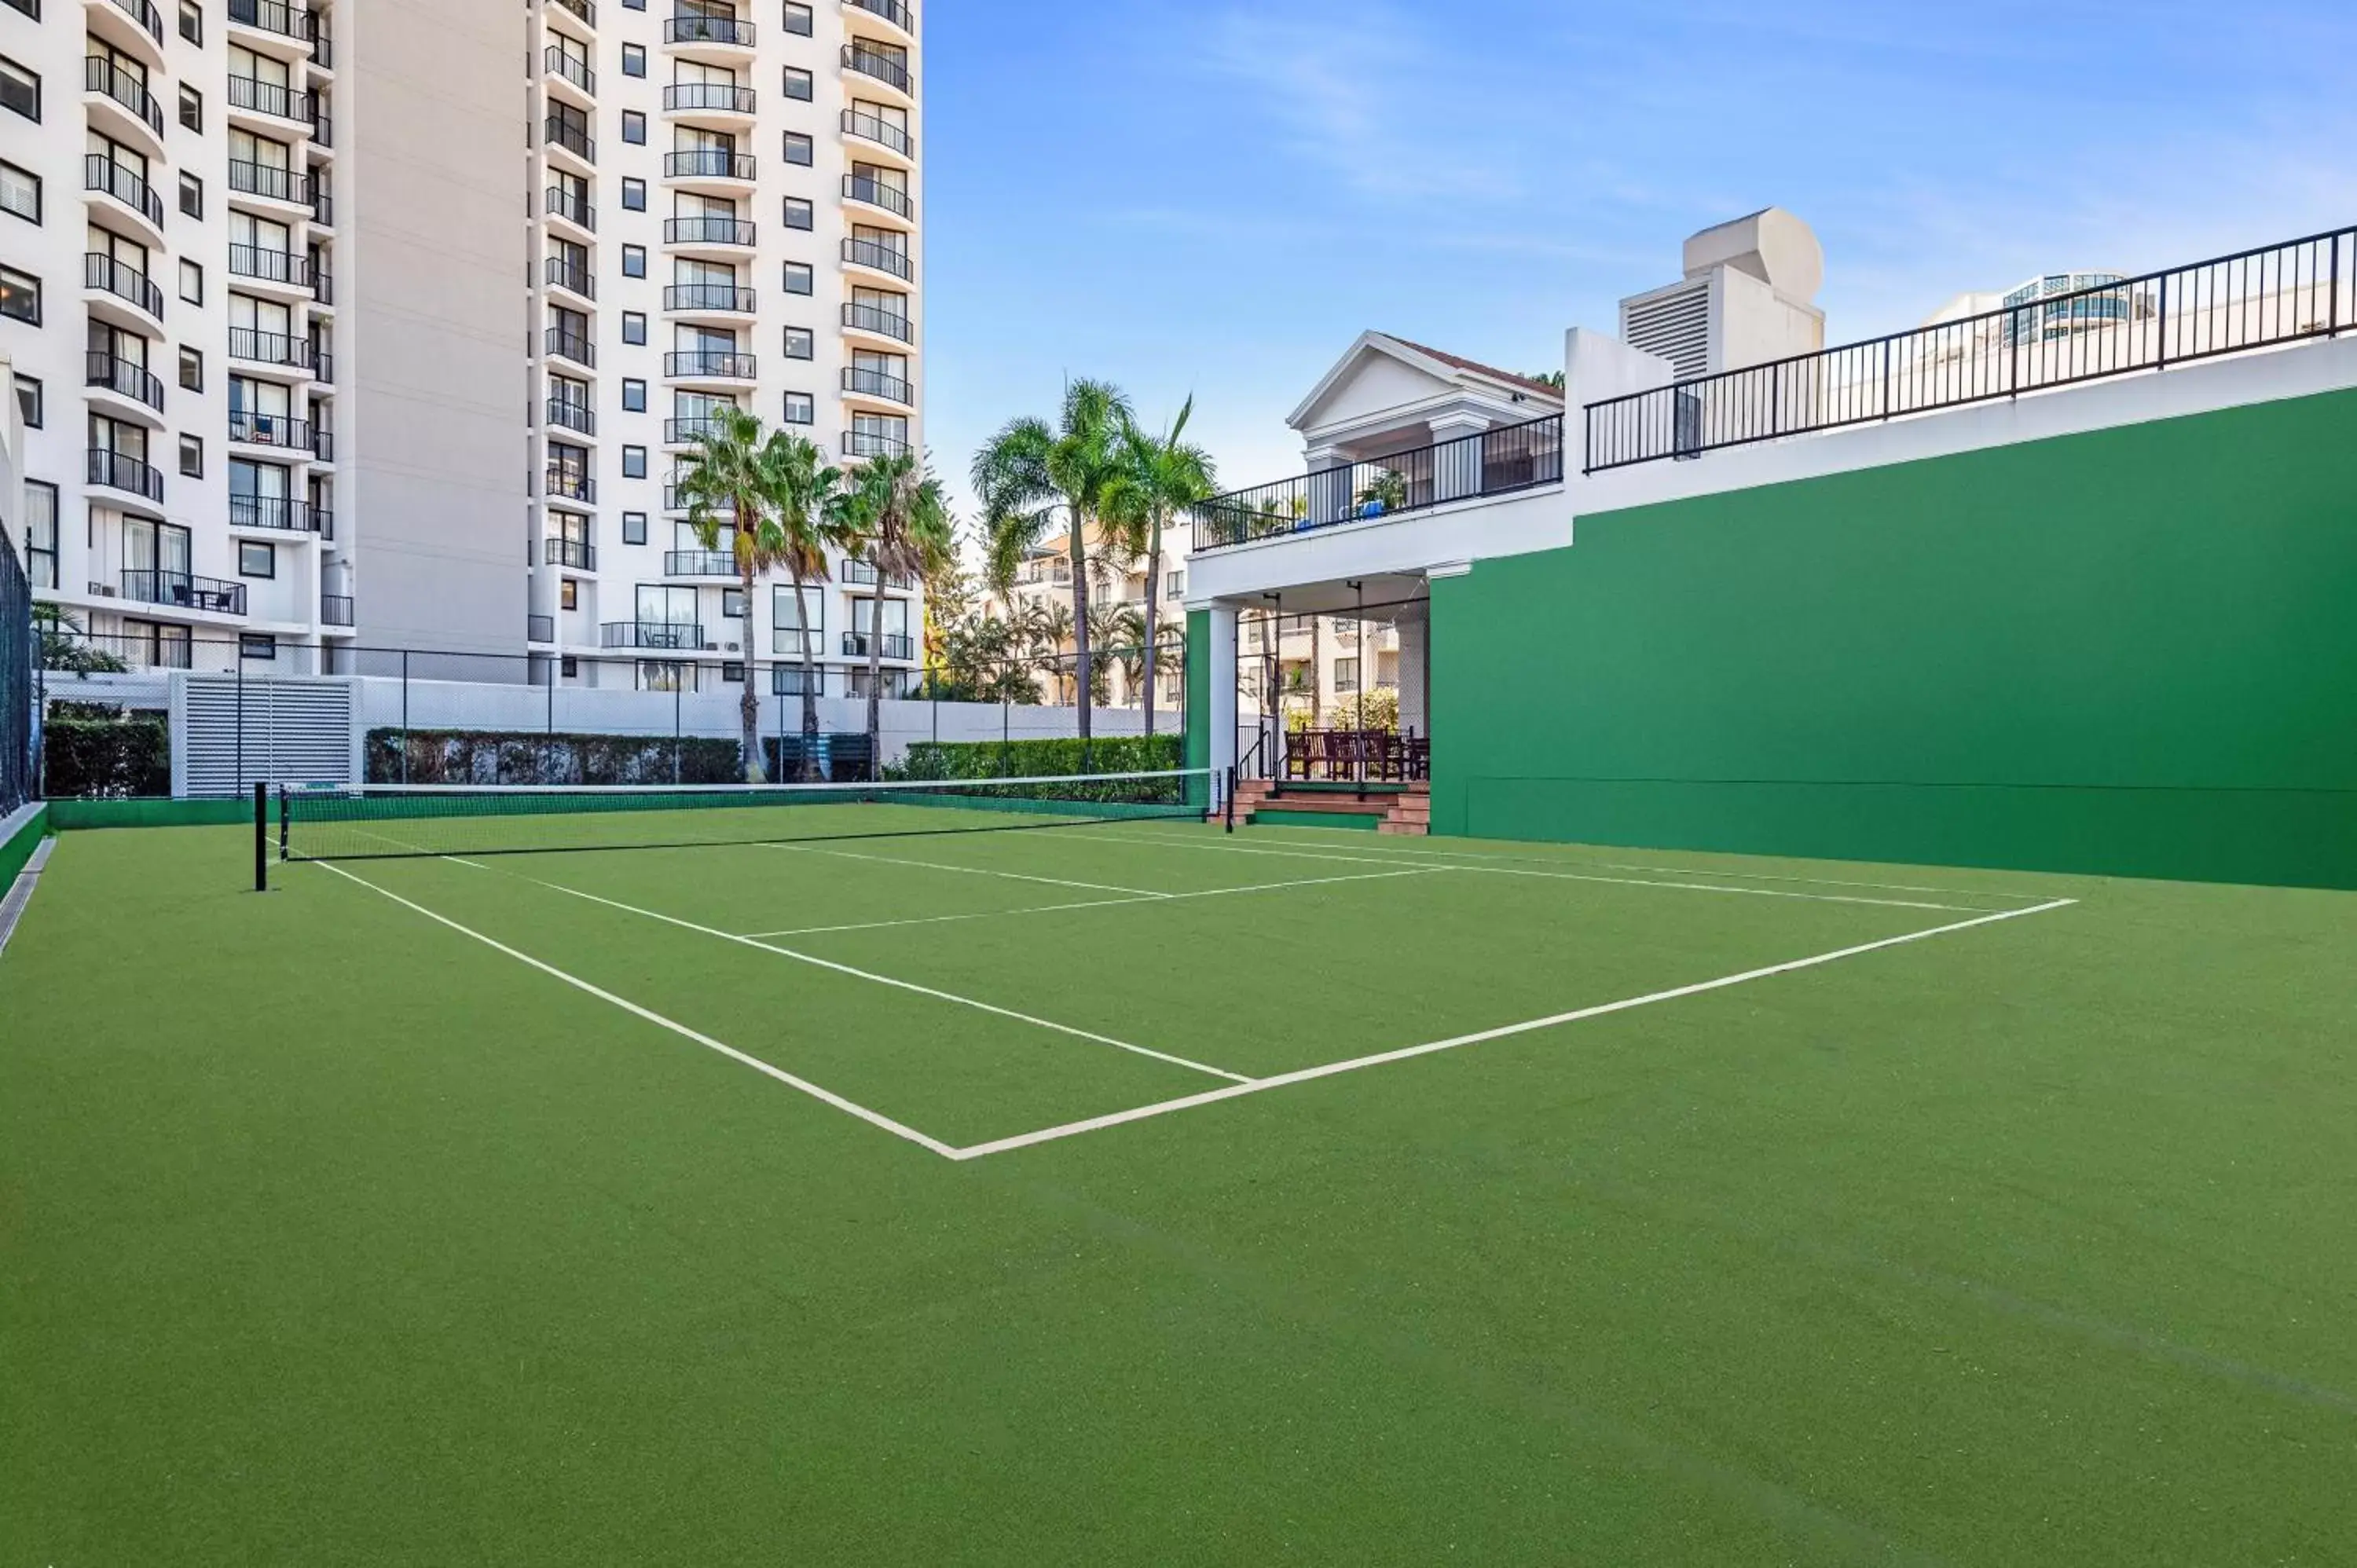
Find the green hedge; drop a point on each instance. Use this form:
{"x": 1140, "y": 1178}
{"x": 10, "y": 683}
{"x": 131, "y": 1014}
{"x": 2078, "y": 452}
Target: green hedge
{"x": 110, "y": 759}
{"x": 491, "y": 757}
{"x": 1054, "y": 759}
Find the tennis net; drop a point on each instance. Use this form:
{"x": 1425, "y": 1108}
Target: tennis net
{"x": 403, "y": 822}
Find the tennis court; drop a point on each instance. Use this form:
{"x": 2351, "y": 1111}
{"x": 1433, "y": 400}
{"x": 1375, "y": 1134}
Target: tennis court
{"x": 1043, "y": 1173}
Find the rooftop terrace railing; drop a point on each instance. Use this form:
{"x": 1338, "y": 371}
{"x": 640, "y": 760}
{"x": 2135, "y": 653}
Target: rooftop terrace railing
{"x": 2254, "y": 299}
{"x": 1494, "y": 463}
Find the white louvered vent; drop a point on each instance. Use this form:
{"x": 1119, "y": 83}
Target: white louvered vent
{"x": 265, "y": 729}
{"x": 1675, "y": 325}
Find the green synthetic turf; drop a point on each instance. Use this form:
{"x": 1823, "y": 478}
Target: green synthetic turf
{"x": 330, "y": 1236}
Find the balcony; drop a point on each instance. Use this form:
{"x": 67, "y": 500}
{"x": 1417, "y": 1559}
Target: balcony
{"x": 273, "y": 17}
{"x": 572, "y": 346}
{"x": 857, "y": 643}
{"x": 101, "y": 76}
{"x": 881, "y": 385}
{"x": 572, "y": 206}
{"x": 325, "y": 368}
{"x": 335, "y": 609}
{"x": 875, "y": 257}
{"x": 731, "y": 232}
{"x": 688, "y": 432}
{"x": 323, "y": 210}
{"x": 700, "y": 563}
{"x": 883, "y": 323}
{"x": 862, "y": 574}
{"x": 708, "y": 164}
{"x": 275, "y": 348}
{"x": 871, "y": 444}
{"x": 270, "y": 182}
{"x": 107, "y": 373}
{"x": 876, "y": 193}
{"x": 323, "y": 445}
{"x": 121, "y": 472}
{"x": 105, "y": 274}
{"x": 279, "y": 514}
{"x": 709, "y": 365}
{"x": 577, "y": 554}
{"x": 687, "y": 28}
{"x": 248, "y": 428}
{"x": 891, "y": 71}
{"x": 672, "y": 637}
{"x": 323, "y": 522}
{"x": 892, "y": 11}
{"x": 569, "y": 67}
{"x": 707, "y": 299}
{"x": 708, "y": 98}
{"x": 252, "y": 95}
{"x": 584, "y": 11}
{"x": 562, "y": 273}
{"x": 271, "y": 266}
{"x": 143, "y": 12}
{"x": 182, "y": 591}
{"x": 323, "y": 288}
{"x": 883, "y": 133}
{"x": 569, "y": 136}
{"x": 103, "y": 174}
{"x": 563, "y": 413}
{"x": 570, "y": 485}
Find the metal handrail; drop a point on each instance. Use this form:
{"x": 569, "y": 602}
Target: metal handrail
{"x": 1492, "y": 463}
{"x": 102, "y": 76}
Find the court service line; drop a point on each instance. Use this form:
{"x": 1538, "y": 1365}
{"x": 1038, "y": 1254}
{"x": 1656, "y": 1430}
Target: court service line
{"x": 911, "y": 986}
{"x": 1102, "y": 903}
{"x": 964, "y": 870}
{"x": 1329, "y": 1069}
{"x": 824, "y": 1096}
{"x": 1573, "y": 877}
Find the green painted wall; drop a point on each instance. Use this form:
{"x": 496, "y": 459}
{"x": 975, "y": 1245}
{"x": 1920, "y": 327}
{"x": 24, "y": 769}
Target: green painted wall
{"x": 2132, "y": 651}
{"x": 1198, "y": 688}
{"x": 19, "y": 845}
{"x": 65, "y": 815}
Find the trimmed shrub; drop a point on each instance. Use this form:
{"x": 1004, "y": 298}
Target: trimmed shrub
{"x": 1053, "y": 759}
{"x": 493, "y": 757}
{"x": 93, "y": 752}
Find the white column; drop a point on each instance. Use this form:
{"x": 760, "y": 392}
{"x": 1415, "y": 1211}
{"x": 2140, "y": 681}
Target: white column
{"x": 1456, "y": 468}
{"x": 1223, "y": 688}
{"x": 1414, "y": 633}
{"x": 1330, "y": 485}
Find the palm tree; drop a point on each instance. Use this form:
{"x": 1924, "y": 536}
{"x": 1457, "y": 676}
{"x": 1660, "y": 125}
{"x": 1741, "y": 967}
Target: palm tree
{"x": 727, "y": 483}
{"x": 1029, "y": 472}
{"x": 1162, "y": 476}
{"x": 1046, "y": 627}
{"x": 904, "y": 531}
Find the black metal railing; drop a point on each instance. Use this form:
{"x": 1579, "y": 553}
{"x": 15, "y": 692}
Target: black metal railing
{"x": 856, "y": 644}
{"x": 571, "y": 68}
{"x": 121, "y": 472}
{"x": 891, "y": 71}
{"x": 883, "y": 323}
{"x": 862, "y": 574}
{"x": 103, "y": 77}
{"x": 104, "y": 273}
{"x": 694, "y": 27}
{"x": 566, "y": 413}
{"x": 121, "y": 377}
{"x": 572, "y": 207}
{"x": 562, "y": 273}
{"x": 183, "y": 590}
{"x": 692, "y": 298}
{"x": 671, "y": 635}
{"x": 707, "y": 163}
{"x": 323, "y": 365}
{"x": 708, "y": 98}
{"x": 323, "y": 46}
{"x": 103, "y": 174}
{"x": 572, "y": 346}
{"x": 323, "y": 286}
{"x": 323, "y": 210}
{"x": 323, "y": 444}
{"x": 570, "y": 485}
{"x": 271, "y": 266}
{"x": 275, "y": 99}
{"x": 709, "y": 364}
{"x": 284, "y": 514}
{"x": 707, "y": 232}
{"x": 573, "y": 136}
{"x": 699, "y": 564}
{"x": 876, "y": 193}
{"x": 686, "y": 432}
{"x": 335, "y": 609}
{"x": 146, "y": 14}
{"x": 877, "y": 383}
{"x": 323, "y": 522}
{"x": 273, "y": 17}
{"x": 882, "y": 132}
{"x": 586, "y": 10}
{"x": 892, "y": 11}
{"x": 879, "y": 258}
{"x": 578, "y": 553}
{"x": 323, "y": 128}
{"x": 270, "y": 347}
{"x": 1496, "y": 462}
{"x": 871, "y": 444}
{"x": 255, "y": 429}
{"x": 2253, "y": 299}
{"x": 539, "y": 628}
{"x": 269, "y": 181}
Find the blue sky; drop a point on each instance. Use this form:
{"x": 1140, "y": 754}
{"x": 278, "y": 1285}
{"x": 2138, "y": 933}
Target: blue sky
{"x": 1217, "y": 195}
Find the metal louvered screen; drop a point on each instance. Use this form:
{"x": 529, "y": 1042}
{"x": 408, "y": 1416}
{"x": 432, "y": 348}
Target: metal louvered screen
{"x": 1676, "y": 326}
{"x": 16, "y": 698}
{"x": 238, "y": 731}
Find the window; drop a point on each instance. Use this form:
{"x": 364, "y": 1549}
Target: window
{"x": 786, "y": 613}
{"x": 789, "y": 680}
{"x": 30, "y": 7}
{"x": 634, "y": 261}
{"x": 192, "y": 196}
{"x": 798, "y": 84}
{"x": 634, "y": 127}
{"x": 20, "y": 193}
{"x": 42, "y": 533}
{"x": 1346, "y": 674}
{"x": 192, "y": 282}
{"x": 634, "y": 528}
{"x": 800, "y": 343}
{"x": 192, "y": 110}
{"x": 256, "y": 558}
{"x": 1174, "y": 587}
{"x": 192, "y": 457}
{"x": 192, "y": 22}
{"x": 568, "y": 595}
{"x": 192, "y": 370}
{"x": 634, "y": 59}
{"x": 20, "y": 297}
{"x": 732, "y": 673}
{"x": 256, "y": 645}
{"x": 634, "y": 462}
{"x": 732, "y": 602}
{"x": 634, "y": 196}
{"x": 19, "y": 90}
{"x": 634, "y": 327}
{"x": 634, "y": 395}
{"x": 800, "y": 214}
{"x": 799, "y": 148}
{"x": 570, "y": 668}
{"x": 799, "y": 278}
{"x": 797, "y": 20}
{"x": 800, "y": 409}
{"x": 29, "y": 402}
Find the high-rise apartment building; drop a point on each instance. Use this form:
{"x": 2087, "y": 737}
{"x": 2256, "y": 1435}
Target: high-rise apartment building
{"x": 330, "y": 332}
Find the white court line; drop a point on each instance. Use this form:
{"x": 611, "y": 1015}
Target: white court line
{"x": 1280, "y": 1080}
{"x": 1568, "y": 875}
{"x": 963, "y": 870}
{"x": 823, "y": 1095}
{"x": 1105, "y": 903}
{"x": 897, "y": 984}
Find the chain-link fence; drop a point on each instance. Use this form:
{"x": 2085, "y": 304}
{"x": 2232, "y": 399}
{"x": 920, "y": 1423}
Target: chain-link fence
{"x": 19, "y": 710}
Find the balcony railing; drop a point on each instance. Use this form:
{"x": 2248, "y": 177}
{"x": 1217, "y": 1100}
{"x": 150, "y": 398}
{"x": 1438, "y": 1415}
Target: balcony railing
{"x": 335, "y": 609}
{"x": 559, "y": 131}
{"x": 872, "y": 443}
{"x": 121, "y": 472}
{"x": 270, "y": 348}
{"x": 183, "y": 590}
{"x": 877, "y": 383}
{"x": 708, "y": 364}
{"x": 122, "y": 378}
{"x": 270, "y": 266}
{"x": 706, "y": 163}
{"x": 689, "y": 28}
{"x": 252, "y": 429}
{"x": 323, "y": 210}
{"x": 707, "y": 232}
{"x": 102, "y": 174}
{"x": 879, "y": 258}
{"x": 891, "y": 71}
{"x": 104, "y": 273}
{"x": 576, "y": 553}
{"x": 856, "y": 645}
{"x": 876, "y": 193}
{"x": 275, "y": 99}
{"x": 883, "y": 323}
{"x": 324, "y": 365}
{"x": 100, "y": 75}
{"x": 706, "y": 299}
{"x": 539, "y": 628}
{"x": 571, "y": 68}
{"x": 2254, "y": 299}
{"x": 572, "y": 346}
{"x": 699, "y": 564}
{"x": 1496, "y": 462}
{"x": 708, "y": 98}
{"x": 323, "y": 522}
{"x": 892, "y": 11}
{"x": 862, "y": 574}
{"x": 572, "y": 207}
{"x": 685, "y": 431}
{"x": 671, "y": 636}
{"x": 882, "y": 132}
{"x": 570, "y": 485}
{"x": 285, "y": 514}
{"x": 564, "y": 414}
{"x": 323, "y": 286}
{"x": 323, "y": 129}
{"x": 269, "y": 181}
{"x": 323, "y": 444}
{"x": 562, "y": 273}
{"x": 273, "y": 17}
{"x": 584, "y": 10}
{"x": 143, "y": 12}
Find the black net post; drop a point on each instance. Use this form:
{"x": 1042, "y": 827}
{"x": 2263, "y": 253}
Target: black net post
{"x": 405, "y": 715}
{"x": 261, "y": 836}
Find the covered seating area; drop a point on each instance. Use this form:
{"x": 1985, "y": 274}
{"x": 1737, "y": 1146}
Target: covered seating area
{"x": 1357, "y": 757}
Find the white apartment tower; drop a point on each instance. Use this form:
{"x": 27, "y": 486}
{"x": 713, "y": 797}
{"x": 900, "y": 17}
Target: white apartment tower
{"x": 278, "y": 349}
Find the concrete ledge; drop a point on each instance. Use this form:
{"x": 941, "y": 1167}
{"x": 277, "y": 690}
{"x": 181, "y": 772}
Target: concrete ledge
{"x": 21, "y": 833}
